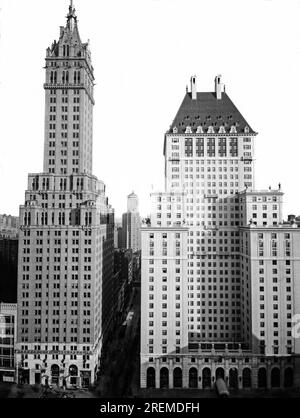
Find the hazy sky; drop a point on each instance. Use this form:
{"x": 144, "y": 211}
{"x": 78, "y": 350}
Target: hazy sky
{"x": 144, "y": 52}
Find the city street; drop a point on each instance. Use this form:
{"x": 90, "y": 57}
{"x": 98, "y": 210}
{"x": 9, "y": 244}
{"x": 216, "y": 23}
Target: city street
{"x": 28, "y": 391}
{"x": 119, "y": 365}
{"x": 122, "y": 354}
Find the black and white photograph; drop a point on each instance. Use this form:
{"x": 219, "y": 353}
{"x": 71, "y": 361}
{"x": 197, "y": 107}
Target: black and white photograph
{"x": 149, "y": 203}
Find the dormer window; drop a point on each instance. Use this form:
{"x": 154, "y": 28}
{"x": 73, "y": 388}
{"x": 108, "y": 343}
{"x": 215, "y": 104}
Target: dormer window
{"x": 188, "y": 130}
{"x": 175, "y": 130}
{"x": 199, "y": 130}
{"x": 233, "y": 130}
{"x": 210, "y": 130}
{"x": 222, "y": 130}
{"x": 246, "y": 130}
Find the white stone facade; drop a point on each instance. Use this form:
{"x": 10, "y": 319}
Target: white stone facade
{"x": 210, "y": 191}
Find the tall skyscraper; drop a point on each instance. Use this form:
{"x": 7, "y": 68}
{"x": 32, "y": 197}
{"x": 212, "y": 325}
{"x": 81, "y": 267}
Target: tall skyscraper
{"x": 132, "y": 203}
{"x": 204, "y": 315}
{"x": 66, "y": 231}
{"x": 131, "y": 224}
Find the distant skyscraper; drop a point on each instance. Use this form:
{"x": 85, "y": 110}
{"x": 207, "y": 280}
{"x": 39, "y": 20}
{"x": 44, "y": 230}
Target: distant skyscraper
{"x": 9, "y": 226}
{"x": 66, "y": 235}
{"x": 118, "y": 233}
{"x": 8, "y": 269}
{"x": 131, "y": 224}
{"x": 132, "y": 203}
{"x": 220, "y": 271}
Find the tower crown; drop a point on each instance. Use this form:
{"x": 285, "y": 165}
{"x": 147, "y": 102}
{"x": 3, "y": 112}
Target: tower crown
{"x": 69, "y": 44}
{"x": 70, "y": 81}
{"x": 71, "y": 17}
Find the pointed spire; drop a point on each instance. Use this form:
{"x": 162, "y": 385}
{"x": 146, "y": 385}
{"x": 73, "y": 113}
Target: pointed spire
{"x": 71, "y": 8}
{"x": 71, "y": 17}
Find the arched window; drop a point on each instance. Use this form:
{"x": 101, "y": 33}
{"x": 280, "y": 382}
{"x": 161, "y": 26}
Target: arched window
{"x": 177, "y": 377}
{"x": 164, "y": 378}
{"x": 206, "y": 378}
{"x": 262, "y": 377}
{"x": 220, "y": 373}
{"x": 246, "y": 378}
{"x": 73, "y": 370}
{"x": 275, "y": 377}
{"x": 150, "y": 377}
{"x": 73, "y": 373}
{"x": 193, "y": 378}
{"x": 55, "y": 374}
{"x": 233, "y": 378}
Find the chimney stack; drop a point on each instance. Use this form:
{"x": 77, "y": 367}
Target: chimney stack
{"x": 194, "y": 87}
{"x": 291, "y": 218}
{"x": 219, "y": 87}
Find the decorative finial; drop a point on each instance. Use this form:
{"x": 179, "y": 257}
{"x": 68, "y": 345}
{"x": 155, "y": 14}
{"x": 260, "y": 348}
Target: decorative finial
{"x": 71, "y": 7}
{"x": 71, "y": 13}
{"x": 279, "y": 186}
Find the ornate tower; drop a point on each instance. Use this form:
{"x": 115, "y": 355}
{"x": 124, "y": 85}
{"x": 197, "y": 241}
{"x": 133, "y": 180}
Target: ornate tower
{"x": 66, "y": 231}
{"x": 69, "y": 98}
